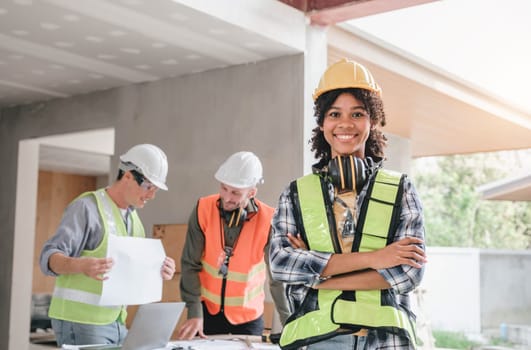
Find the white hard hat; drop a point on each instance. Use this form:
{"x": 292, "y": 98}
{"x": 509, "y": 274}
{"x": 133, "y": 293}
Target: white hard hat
{"x": 240, "y": 170}
{"x": 149, "y": 160}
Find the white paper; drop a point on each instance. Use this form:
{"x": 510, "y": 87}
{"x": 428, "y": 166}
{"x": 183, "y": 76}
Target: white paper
{"x": 215, "y": 344}
{"x": 99, "y": 346}
{"x": 135, "y": 277}
{"x": 77, "y": 347}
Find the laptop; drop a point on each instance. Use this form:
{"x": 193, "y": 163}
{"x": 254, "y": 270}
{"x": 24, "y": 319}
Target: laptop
{"x": 152, "y": 328}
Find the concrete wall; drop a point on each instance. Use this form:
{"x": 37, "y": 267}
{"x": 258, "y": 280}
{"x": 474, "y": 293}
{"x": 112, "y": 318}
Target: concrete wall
{"x": 505, "y": 288}
{"x": 398, "y": 154}
{"x": 197, "y": 119}
{"x": 451, "y": 282}
{"x": 476, "y": 290}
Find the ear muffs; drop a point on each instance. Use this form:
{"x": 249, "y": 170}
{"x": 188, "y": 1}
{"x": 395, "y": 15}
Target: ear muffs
{"x": 233, "y": 218}
{"x": 347, "y": 173}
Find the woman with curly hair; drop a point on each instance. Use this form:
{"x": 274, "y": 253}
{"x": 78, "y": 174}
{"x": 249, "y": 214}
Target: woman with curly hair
{"x": 348, "y": 239}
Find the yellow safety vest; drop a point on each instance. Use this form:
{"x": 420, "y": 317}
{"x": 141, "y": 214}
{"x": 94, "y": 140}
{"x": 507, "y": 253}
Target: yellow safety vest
{"x": 76, "y": 296}
{"x": 344, "y": 312}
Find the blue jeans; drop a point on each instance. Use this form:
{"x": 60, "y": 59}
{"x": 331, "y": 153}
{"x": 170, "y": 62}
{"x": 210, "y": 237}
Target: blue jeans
{"x": 341, "y": 342}
{"x": 73, "y": 333}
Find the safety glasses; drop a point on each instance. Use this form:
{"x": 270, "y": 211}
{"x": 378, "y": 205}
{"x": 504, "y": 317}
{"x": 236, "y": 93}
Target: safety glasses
{"x": 142, "y": 181}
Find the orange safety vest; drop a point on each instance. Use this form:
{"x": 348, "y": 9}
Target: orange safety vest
{"x": 243, "y": 299}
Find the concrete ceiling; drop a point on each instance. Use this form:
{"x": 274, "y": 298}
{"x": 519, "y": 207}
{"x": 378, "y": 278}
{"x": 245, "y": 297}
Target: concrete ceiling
{"x": 59, "y": 48}
{"x": 513, "y": 189}
{"x": 82, "y": 153}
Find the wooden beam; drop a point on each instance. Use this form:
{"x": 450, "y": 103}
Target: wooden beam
{"x": 328, "y": 12}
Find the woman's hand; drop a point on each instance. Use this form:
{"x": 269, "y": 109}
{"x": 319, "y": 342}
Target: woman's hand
{"x": 296, "y": 241}
{"x": 403, "y": 252}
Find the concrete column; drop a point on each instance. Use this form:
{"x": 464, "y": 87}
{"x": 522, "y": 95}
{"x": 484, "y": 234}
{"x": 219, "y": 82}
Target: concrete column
{"x": 25, "y": 216}
{"x": 398, "y": 153}
{"x": 315, "y": 63}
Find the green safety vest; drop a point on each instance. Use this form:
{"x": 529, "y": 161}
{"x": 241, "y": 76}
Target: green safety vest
{"x": 76, "y": 296}
{"x": 344, "y": 312}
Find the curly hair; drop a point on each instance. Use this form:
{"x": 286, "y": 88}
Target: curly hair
{"x": 375, "y": 144}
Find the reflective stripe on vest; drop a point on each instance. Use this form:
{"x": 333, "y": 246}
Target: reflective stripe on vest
{"x": 243, "y": 300}
{"x": 368, "y": 309}
{"x": 76, "y": 296}
{"x": 333, "y": 313}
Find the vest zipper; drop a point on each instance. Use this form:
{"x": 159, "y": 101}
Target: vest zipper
{"x": 223, "y": 285}
{"x": 228, "y": 255}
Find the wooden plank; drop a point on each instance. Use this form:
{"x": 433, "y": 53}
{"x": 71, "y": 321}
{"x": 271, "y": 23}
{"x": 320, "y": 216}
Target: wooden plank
{"x": 173, "y": 237}
{"x": 54, "y": 192}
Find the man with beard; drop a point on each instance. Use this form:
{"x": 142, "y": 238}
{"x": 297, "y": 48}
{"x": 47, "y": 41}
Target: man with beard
{"x": 225, "y": 254}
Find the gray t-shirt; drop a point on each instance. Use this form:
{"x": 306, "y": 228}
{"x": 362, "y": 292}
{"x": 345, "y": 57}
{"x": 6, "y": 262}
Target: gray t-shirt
{"x": 81, "y": 228}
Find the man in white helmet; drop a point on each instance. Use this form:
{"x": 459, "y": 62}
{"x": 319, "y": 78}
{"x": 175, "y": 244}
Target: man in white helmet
{"x": 223, "y": 266}
{"x": 76, "y": 253}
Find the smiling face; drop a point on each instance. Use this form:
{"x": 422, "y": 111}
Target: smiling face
{"x": 346, "y": 126}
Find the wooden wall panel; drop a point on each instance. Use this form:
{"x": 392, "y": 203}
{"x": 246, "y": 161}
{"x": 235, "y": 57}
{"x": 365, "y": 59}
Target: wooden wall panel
{"x": 55, "y": 191}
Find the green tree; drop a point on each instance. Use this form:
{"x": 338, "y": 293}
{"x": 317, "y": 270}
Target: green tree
{"x": 456, "y": 215}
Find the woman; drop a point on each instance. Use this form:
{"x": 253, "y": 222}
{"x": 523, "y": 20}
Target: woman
{"x": 348, "y": 239}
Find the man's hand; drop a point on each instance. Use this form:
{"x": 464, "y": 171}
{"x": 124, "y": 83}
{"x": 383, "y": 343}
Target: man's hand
{"x": 168, "y": 268}
{"x": 95, "y": 268}
{"x": 190, "y": 328}
{"x": 403, "y": 252}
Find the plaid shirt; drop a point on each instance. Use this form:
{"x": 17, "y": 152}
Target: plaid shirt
{"x": 301, "y": 269}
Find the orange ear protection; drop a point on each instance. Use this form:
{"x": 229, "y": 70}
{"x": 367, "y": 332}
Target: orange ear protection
{"x": 347, "y": 173}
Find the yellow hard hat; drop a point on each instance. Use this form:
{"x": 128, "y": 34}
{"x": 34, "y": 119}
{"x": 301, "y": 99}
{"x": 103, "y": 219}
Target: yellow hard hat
{"x": 346, "y": 74}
